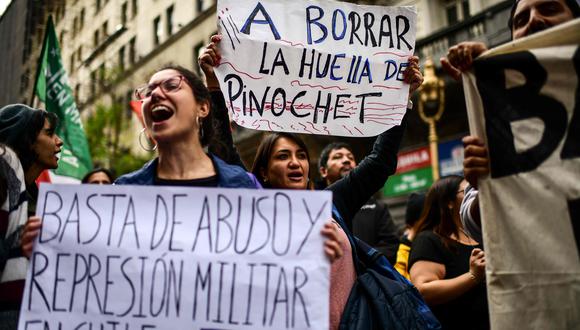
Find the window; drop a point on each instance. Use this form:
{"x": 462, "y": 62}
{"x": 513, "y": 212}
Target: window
{"x": 24, "y": 81}
{"x": 169, "y": 21}
{"x": 57, "y": 15}
{"x": 61, "y": 37}
{"x": 96, "y": 38}
{"x": 128, "y": 99}
{"x": 122, "y": 58}
{"x": 197, "y": 50}
{"x": 80, "y": 54}
{"x": 157, "y": 30}
{"x": 77, "y": 95}
{"x": 27, "y": 48}
{"x": 93, "y": 89}
{"x": 102, "y": 75}
{"x": 82, "y": 19}
{"x": 124, "y": 7}
{"x": 132, "y": 52}
{"x": 134, "y": 7}
{"x": 105, "y": 29}
{"x": 72, "y": 64}
{"x": 75, "y": 26}
{"x": 456, "y": 11}
{"x": 97, "y": 6}
{"x": 199, "y": 6}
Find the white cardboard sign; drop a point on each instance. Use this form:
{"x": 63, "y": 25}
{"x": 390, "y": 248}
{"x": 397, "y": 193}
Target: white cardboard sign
{"x": 127, "y": 257}
{"x": 324, "y": 67}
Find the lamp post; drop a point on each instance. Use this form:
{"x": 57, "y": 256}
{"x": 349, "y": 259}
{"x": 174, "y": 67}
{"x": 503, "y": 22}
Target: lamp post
{"x": 431, "y": 106}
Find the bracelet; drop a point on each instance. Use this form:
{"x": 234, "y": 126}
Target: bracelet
{"x": 473, "y": 277}
{"x": 410, "y": 105}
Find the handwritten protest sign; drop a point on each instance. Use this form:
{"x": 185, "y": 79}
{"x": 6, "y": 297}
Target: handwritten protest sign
{"x": 323, "y": 67}
{"x": 523, "y": 99}
{"x": 122, "y": 257}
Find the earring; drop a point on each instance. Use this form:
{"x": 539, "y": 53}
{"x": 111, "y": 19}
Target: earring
{"x": 200, "y": 127}
{"x": 148, "y": 142}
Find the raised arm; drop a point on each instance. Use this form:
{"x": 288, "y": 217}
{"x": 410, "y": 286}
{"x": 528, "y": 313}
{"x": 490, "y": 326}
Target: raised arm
{"x": 352, "y": 191}
{"x": 460, "y": 57}
{"x": 223, "y": 143}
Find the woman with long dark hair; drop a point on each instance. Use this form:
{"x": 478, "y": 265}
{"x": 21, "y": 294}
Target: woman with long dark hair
{"x": 446, "y": 265}
{"x": 29, "y": 146}
{"x": 282, "y": 161}
{"x": 177, "y": 114}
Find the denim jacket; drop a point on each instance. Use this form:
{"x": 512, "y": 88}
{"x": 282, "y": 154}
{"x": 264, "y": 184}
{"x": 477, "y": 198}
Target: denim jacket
{"x": 229, "y": 176}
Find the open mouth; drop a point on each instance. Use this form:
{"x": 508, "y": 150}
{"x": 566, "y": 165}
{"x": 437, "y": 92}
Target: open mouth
{"x": 295, "y": 176}
{"x": 160, "y": 113}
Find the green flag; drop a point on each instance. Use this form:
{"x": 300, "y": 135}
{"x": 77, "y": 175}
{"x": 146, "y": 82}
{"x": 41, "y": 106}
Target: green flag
{"x": 53, "y": 90}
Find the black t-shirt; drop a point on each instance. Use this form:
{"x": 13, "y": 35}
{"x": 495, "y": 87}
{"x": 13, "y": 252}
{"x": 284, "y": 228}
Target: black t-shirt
{"x": 468, "y": 311}
{"x": 211, "y": 181}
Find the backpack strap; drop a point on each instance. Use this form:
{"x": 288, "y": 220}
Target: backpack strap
{"x": 358, "y": 264}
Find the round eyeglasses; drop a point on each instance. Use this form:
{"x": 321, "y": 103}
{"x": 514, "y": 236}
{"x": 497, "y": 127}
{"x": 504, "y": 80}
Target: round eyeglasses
{"x": 168, "y": 85}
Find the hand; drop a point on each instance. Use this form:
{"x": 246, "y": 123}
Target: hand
{"x": 412, "y": 75}
{"x": 475, "y": 161}
{"x": 460, "y": 57}
{"x": 210, "y": 58}
{"x": 477, "y": 264}
{"x": 332, "y": 246}
{"x": 29, "y": 234}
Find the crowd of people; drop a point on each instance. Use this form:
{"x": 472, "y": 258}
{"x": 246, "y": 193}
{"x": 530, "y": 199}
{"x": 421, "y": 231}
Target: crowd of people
{"x": 440, "y": 251}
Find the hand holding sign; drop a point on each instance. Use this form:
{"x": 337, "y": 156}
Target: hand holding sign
{"x": 460, "y": 57}
{"x": 210, "y": 58}
{"x": 113, "y": 257}
{"x": 29, "y": 234}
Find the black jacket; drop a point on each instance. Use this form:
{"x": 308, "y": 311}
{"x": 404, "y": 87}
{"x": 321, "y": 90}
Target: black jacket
{"x": 374, "y": 225}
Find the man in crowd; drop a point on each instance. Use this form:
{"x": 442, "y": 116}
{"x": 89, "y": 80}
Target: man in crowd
{"x": 526, "y": 18}
{"x": 373, "y": 223}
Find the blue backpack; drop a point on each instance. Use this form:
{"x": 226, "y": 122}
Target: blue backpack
{"x": 381, "y": 298}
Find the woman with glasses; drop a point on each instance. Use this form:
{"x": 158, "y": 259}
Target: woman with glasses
{"x": 446, "y": 265}
{"x": 176, "y": 111}
{"x": 177, "y": 115}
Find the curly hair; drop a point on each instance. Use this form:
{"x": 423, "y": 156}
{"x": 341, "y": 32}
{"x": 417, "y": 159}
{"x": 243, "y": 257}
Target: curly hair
{"x": 201, "y": 94}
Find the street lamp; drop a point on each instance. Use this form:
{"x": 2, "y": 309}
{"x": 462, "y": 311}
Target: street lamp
{"x": 431, "y": 106}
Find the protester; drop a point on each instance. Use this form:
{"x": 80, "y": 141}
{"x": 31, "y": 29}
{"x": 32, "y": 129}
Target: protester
{"x": 30, "y": 134}
{"x": 526, "y": 18}
{"x": 283, "y": 162}
{"x": 99, "y": 175}
{"x": 445, "y": 264}
{"x": 176, "y": 112}
{"x": 372, "y": 223}
{"x": 13, "y": 215}
{"x": 412, "y": 215}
